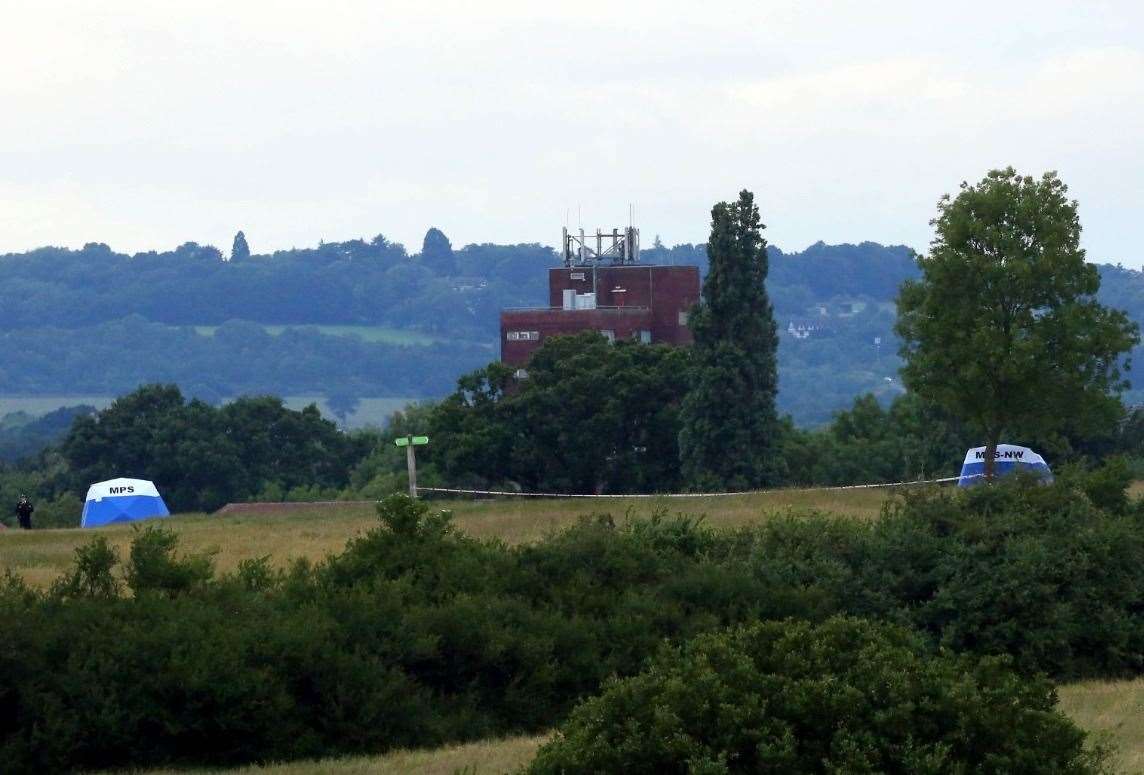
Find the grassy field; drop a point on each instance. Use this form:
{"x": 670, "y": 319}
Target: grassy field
{"x": 1113, "y": 711}
{"x": 482, "y": 758}
{"x": 382, "y": 334}
{"x": 41, "y": 555}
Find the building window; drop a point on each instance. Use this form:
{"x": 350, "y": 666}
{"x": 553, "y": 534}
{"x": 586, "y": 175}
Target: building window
{"x": 512, "y": 336}
{"x": 683, "y": 317}
{"x": 520, "y": 374}
{"x": 522, "y": 336}
{"x": 609, "y": 335}
{"x": 534, "y": 336}
{"x": 645, "y": 336}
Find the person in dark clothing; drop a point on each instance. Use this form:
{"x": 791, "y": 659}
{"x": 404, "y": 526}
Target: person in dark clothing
{"x": 24, "y": 511}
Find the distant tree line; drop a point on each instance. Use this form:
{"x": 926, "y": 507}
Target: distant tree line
{"x": 351, "y": 283}
{"x": 372, "y": 283}
{"x": 592, "y": 417}
{"x": 200, "y": 456}
{"x": 61, "y": 304}
{"x": 23, "y": 436}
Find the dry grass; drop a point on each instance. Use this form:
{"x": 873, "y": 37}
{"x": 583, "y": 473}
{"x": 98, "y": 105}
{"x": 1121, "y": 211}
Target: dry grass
{"x": 1114, "y": 712}
{"x": 39, "y": 556}
{"x": 481, "y": 758}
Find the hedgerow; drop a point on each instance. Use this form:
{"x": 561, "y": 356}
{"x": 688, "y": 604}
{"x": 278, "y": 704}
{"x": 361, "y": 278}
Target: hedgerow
{"x": 416, "y": 634}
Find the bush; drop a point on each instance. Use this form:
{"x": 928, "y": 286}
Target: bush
{"x": 65, "y": 510}
{"x": 153, "y": 566}
{"x": 416, "y": 634}
{"x": 1034, "y": 572}
{"x": 844, "y": 696}
{"x": 92, "y": 575}
{"x": 1107, "y": 485}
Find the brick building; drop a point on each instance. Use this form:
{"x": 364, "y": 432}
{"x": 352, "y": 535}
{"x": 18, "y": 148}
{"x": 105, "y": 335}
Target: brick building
{"x": 622, "y": 301}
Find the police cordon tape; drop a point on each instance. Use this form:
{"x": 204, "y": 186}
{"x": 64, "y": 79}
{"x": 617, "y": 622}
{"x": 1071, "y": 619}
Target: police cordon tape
{"x": 459, "y": 491}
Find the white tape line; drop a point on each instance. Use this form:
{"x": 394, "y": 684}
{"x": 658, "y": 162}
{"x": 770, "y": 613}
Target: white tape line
{"x": 458, "y": 491}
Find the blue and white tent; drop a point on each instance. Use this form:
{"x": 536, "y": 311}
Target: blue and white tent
{"x": 1008, "y": 457}
{"x": 122, "y": 500}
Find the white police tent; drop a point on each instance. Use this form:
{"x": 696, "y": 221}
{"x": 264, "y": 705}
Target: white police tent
{"x": 122, "y": 500}
{"x": 1008, "y": 459}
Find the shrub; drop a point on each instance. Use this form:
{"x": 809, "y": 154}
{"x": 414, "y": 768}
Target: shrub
{"x": 256, "y": 574}
{"x": 65, "y": 510}
{"x": 153, "y": 566}
{"x": 92, "y": 574}
{"x": 416, "y": 634}
{"x": 844, "y": 696}
{"x": 1107, "y": 485}
{"x": 1034, "y": 572}
{"x": 408, "y": 517}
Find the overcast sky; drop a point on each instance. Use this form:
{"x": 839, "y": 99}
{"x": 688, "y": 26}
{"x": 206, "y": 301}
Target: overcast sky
{"x": 145, "y": 125}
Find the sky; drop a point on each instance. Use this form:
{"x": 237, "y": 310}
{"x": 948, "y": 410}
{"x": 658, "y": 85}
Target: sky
{"x": 149, "y": 124}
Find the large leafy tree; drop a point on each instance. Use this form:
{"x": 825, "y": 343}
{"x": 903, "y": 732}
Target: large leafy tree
{"x": 729, "y": 426}
{"x": 201, "y": 457}
{"x": 1003, "y": 329}
{"x": 591, "y": 417}
{"x": 600, "y": 417}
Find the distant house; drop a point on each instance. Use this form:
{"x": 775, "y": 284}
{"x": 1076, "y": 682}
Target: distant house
{"x": 468, "y": 284}
{"x": 804, "y": 329}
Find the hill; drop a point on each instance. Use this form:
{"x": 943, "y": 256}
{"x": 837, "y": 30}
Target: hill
{"x": 368, "y": 319}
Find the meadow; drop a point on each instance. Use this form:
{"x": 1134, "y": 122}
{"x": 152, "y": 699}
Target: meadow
{"x": 481, "y": 758}
{"x": 382, "y": 334}
{"x": 314, "y": 531}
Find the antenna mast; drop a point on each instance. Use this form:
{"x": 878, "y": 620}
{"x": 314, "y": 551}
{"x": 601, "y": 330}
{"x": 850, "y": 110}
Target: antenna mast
{"x": 618, "y": 247}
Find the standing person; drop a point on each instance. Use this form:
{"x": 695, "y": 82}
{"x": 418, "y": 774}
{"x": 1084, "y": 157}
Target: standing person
{"x": 24, "y": 511}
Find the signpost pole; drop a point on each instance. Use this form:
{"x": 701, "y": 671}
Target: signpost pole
{"x": 411, "y": 463}
{"x": 409, "y": 442}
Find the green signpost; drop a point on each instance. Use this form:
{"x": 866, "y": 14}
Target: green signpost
{"x": 410, "y": 443}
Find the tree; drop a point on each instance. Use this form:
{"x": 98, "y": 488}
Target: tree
{"x": 599, "y": 417}
{"x": 591, "y": 417}
{"x": 729, "y": 426}
{"x": 437, "y": 253}
{"x": 239, "y": 251}
{"x": 201, "y": 457}
{"x": 1003, "y": 329}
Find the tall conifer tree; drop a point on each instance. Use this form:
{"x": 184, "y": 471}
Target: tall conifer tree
{"x": 239, "y": 250}
{"x": 729, "y": 425}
